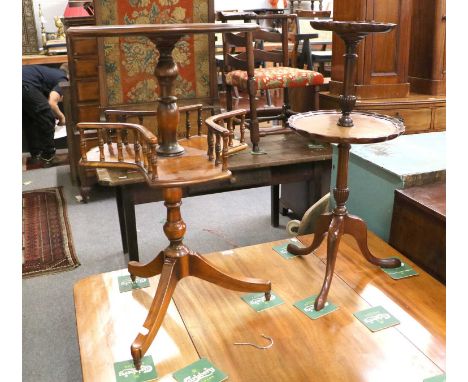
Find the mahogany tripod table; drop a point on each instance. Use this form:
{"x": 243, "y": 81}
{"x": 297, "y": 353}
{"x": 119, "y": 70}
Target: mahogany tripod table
{"x": 168, "y": 164}
{"x": 344, "y": 128}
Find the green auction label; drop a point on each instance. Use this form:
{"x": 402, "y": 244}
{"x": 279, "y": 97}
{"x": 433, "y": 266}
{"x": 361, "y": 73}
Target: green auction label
{"x": 200, "y": 371}
{"x": 126, "y": 284}
{"x": 126, "y": 371}
{"x": 376, "y": 318}
{"x": 258, "y": 302}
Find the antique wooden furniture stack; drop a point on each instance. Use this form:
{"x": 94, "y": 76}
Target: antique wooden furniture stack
{"x": 345, "y": 128}
{"x": 240, "y": 72}
{"x": 168, "y": 164}
{"x": 401, "y": 73}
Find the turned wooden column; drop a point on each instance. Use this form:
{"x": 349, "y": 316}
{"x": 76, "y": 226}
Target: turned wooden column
{"x": 175, "y": 227}
{"x": 168, "y": 113}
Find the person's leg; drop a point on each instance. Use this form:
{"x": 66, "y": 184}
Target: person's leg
{"x": 29, "y": 124}
{"x": 44, "y": 122}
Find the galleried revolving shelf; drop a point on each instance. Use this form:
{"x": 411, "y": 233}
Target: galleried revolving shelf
{"x": 344, "y": 128}
{"x": 169, "y": 164}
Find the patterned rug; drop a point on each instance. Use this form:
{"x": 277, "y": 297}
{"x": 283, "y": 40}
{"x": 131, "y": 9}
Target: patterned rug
{"x": 47, "y": 240}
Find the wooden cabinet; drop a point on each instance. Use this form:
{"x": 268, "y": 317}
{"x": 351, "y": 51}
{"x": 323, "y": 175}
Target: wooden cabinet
{"x": 382, "y": 65}
{"x": 426, "y": 72}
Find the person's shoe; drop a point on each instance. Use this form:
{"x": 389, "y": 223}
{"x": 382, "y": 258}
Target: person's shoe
{"x": 49, "y": 160}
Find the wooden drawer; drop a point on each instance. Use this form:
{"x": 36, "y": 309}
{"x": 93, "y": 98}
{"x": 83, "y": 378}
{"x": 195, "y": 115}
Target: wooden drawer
{"x": 439, "y": 118}
{"x": 415, "y": 120}
{"x": 84, "y": 46}
{"x": 87, "y": 91}
{"x": 85, "y": 68}
{"x": 88, "y": 113}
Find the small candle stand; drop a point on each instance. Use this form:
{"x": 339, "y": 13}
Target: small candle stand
{"x": 345, "y": 128}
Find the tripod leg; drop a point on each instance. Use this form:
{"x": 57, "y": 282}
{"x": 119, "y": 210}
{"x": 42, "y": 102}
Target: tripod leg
{"x": 321, "y": 228}
{"x": 202, "y": 269}
{"x": 151, "y": 269}
{"x": 357, "y": 228}
{"x": 158, "y": 309}
{"x": 333, "y": 241}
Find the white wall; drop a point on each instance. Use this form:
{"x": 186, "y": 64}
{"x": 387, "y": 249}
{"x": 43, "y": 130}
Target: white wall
{"x": 50, "y": 9}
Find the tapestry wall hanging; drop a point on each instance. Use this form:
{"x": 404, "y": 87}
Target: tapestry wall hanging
{"x": 129, "y": 63}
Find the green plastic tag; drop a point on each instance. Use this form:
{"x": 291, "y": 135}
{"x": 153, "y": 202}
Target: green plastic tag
{"x": 257, "y": 301}
{"x": 126, "y": 371}
{"x": 200, "y": 371}
{"x": 126, "y": 284}
{"x": 376, "y": 318}
{"x": 306, "y": 306}
{"x": 401, "y": 272}
{"x": 283, "y": 252}
{"x": 437, "y": 378}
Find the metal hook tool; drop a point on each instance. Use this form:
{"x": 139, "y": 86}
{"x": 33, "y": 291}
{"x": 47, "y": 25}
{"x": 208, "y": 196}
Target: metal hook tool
{"x": 257, "y": 346}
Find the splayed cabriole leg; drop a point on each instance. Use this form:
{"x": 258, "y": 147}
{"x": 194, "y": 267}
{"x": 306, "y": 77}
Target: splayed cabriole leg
{"x": 158, "y": 309}
{"x": 333, "y": 241}
{"x": 153, "y": 268}
{"x": 357, "y": 228}
{"x": 202, "y": 269}
{"x": 175, "y": 263}
{"x": 321, "y": 229}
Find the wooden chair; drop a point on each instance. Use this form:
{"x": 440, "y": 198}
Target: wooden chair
{"x": 307, "y": 41}
{"x": 240, "y": 72}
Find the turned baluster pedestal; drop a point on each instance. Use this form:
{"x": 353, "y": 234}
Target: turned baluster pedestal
{"x": 344, "y": 128}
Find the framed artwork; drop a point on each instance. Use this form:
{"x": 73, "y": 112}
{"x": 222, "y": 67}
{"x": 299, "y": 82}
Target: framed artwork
{"x": 30, "y": 43}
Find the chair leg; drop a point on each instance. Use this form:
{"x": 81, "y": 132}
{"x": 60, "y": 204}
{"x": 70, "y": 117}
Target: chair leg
{"x": 254, "y": 126}
{"x": 228, "y": 97}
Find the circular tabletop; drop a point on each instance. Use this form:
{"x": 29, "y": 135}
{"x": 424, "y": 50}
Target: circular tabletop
{"x": 368, "y": 127}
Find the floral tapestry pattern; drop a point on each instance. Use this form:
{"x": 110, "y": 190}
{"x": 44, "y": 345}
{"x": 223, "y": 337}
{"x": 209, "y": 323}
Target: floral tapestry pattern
{"x": 130, "y": 62}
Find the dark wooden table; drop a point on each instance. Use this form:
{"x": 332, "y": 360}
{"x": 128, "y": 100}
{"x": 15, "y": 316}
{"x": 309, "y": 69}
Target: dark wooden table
{"x": 288, "y": 159}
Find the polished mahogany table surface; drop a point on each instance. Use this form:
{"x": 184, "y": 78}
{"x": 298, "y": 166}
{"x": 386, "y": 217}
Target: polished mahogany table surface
{"x": 336, "y": 347}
